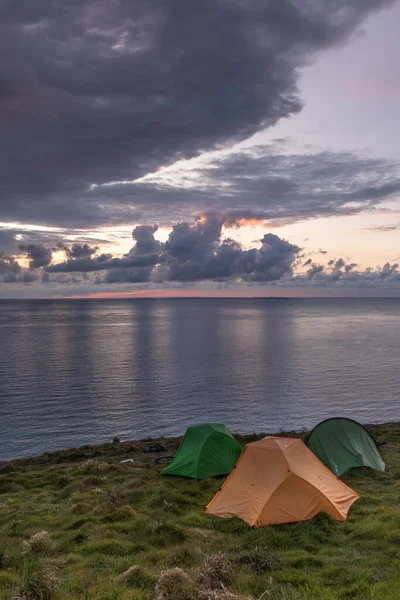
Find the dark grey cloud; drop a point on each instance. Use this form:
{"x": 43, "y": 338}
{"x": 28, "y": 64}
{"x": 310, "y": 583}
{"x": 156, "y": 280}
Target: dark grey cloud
{"x": 382, "y": 228}
{"x": 39, "y": 255}
{"x": 11, "y": 272}
{"x": 96, "y": 91}
{"x": 13, "y": 237}
{"x": 314, "y": 271}
{"x": 124, "y": 275}
{"x": 340, "y": 273}
{"x": 262, "y": 184}
{"x": 339, "y": 263}
{"x": 188, "y": 242}
{"x": 6, "y": 262}
{"x": 145, "y": 242}
{"x": 78, "y": 251}
{"x": 8, "y": 242}
{"x": 193, "y": 252}
{"x": 196, "y": 252}
{"x": 101, "y": 262}
{"x": 84, "y": 258}
{"x": 283, "y": 187}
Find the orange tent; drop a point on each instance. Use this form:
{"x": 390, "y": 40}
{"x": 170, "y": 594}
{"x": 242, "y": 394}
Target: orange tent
{"x": 279, "y": 480}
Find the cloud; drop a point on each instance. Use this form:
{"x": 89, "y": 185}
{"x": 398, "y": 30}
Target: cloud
{"x": 39, "y": 255}
{"x": 11, "y": 272}
{"x": 145, "y": 242}
{"x": 124, "y": 275}
{"x": 8, "y": 242}
{"x": 382, "y": 228}
{"x": 11, "y": 237}
{"x": 262, "y": 184}
{"x": 6, "y": 262}
{"x": 109, "y": 91}
{"x": 15, "y": 235}
{"x": 196, "y": 252}
{"x": 64, "y": 279}
{"x": 84, "y": 258}
{"x": 78, "y": 251}
{"x": 193, "y": 252}
{"x": 101, "y": 263}
{"x": 339, "y": 263}
{"x": 339, "y": 274}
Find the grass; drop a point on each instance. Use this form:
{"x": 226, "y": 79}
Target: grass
{"x": 79, "y": 524}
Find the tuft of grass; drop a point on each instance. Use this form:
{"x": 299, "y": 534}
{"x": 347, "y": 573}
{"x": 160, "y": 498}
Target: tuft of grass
{"x": 217, "y": 571}
{"x": 260, "y": 560}
{"x": 113, "y": 498}
{"x": 94, "y": 466}
{"x": 39, "y": 543}
{"x": 39, "y": 582}
{"x": 137, "y": 577}
{"x": 175, "y": 584}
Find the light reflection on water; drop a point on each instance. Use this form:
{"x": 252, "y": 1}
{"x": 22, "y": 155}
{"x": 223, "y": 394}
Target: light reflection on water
{"x": 83, "y": 371}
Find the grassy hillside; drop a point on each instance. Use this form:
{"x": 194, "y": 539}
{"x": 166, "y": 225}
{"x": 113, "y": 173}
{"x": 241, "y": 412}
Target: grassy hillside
{"x": 113, "y": 530}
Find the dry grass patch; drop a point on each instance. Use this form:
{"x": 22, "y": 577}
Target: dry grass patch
{"x": 39, "y": 543}
{"x": 175, "y": 584}
{"x": 39, "y": 582}
{"x": 260, "y": 560}
{"x": 217, "y": 571}
{"x": 137, "y": 577}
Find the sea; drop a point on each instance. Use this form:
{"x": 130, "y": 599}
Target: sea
{"x": 77, "y": 372}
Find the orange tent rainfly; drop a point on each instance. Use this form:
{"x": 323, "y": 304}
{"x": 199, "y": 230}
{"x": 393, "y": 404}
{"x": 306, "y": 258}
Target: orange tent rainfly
{"x": 279, "y": 480}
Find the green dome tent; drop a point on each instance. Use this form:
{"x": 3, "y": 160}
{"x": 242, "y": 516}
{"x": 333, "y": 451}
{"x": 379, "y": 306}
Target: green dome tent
{"x": 343, "y": 444}
{"x": 205, "y": 451}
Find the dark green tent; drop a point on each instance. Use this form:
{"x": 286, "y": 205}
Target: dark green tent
{"x": 205, "y": 451}
{"x": 343, "y": 444}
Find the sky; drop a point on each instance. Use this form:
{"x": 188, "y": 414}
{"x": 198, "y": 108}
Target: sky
{"x": 237, "y": 147}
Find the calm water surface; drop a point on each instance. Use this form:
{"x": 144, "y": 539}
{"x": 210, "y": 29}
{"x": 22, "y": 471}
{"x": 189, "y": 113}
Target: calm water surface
{"x": 83, "y": 371}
